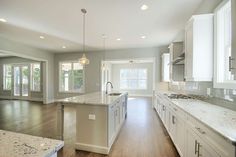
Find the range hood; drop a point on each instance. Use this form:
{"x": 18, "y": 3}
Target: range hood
{"x": 179, "y": 60}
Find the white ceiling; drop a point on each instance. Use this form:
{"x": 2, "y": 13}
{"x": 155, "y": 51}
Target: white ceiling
{"x": 60, "y": 21}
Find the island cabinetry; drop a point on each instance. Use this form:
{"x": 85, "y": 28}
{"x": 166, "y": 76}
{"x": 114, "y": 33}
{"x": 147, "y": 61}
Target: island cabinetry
{"x": 99, "y": 118}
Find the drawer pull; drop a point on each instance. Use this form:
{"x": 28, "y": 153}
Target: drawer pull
{"x": 200, "y": 130}
{"x": 175, "y": 109}
{"x": 196, "y": 147}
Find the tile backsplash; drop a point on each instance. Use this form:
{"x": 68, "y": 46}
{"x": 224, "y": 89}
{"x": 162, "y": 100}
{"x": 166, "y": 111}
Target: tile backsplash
{"x": 222, "y": 97}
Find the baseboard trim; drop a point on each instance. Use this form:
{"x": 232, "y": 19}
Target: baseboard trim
{"x": 92, "y": 148}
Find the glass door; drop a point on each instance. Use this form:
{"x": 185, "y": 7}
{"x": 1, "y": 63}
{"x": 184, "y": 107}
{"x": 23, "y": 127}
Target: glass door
{"x": 21, "y": 81}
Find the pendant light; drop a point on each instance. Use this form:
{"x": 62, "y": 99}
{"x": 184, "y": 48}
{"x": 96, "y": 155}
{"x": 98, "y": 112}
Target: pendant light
{"x": 84, "y": 60}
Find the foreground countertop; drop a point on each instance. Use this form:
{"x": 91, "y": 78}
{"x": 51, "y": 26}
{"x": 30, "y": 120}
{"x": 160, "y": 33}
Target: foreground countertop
{"x": 219, "y": 119}
{"x": 97, "y": 98}
{"x": 22, "y": 145}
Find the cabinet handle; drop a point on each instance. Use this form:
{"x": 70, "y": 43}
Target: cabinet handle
{"x": 173, "y": 119}
{"x": 231, "y": 59}
{"x": 175, "y": 109}
{"x": 198, "y": 149}
{"x": 196, "y": 145}
{"x": 200, "y": 130}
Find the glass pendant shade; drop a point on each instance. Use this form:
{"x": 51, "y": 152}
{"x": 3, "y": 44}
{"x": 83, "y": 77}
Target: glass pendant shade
{"x": 83, "y": 60}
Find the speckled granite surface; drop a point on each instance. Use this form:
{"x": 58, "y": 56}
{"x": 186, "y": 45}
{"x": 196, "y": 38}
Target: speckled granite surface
{"x": 97, "y": 98}
{"x": 221, "y": 120}
{"x": 22, "y": 145}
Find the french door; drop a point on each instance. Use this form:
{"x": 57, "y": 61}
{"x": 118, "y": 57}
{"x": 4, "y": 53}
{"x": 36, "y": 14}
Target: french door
{"x": 21, "y": 74}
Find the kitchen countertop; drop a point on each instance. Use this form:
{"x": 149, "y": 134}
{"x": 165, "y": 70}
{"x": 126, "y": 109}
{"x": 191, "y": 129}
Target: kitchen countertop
{"x": 22, "y": 145}
{"x": 97, "y": 98}
{"x": 219, "y": 119}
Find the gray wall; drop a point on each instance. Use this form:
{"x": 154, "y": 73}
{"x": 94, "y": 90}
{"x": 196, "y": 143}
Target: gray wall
{"x": 24, "y": 51}
{"x": 7, "y": 94}
{"x": 93, "y": 70}
{"x": 115, "y": 78}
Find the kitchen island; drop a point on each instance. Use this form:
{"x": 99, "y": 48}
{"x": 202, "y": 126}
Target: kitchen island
{"x": 22, "y": 145}
{"x": 99, "y": 118}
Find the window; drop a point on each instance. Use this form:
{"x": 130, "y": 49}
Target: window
{"x": 71, "y": 77}
{"x": 223, "y": 37}
{"x": 35, "y": 77}
{"x": 7, "y": 73}
{"x": 132, "y": 79}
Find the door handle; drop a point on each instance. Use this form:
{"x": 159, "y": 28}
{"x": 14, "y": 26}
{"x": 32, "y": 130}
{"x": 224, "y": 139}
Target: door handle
{"x": 231, "y": 59}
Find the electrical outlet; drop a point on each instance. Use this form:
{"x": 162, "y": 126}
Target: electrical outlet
{"x": 92, "y": 117}
{"x": 208, "y": 91}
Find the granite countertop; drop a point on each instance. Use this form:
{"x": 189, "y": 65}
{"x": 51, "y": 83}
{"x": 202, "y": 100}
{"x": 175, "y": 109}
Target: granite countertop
{"x": 22, "y": 145}
{"x": 97, "y": 98}
{"x": 219, "y": 119}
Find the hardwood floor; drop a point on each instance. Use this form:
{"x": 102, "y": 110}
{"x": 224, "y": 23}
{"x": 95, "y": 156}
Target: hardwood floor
{"x": 142, "y": 135}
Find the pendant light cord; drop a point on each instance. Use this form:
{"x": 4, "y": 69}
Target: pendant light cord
{"x": 84, "y": 32}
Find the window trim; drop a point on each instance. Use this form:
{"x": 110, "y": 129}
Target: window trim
{"x": 216, "y": 82}
{"x": 59, "y": 79}
{"x": 3, "y": 78}
{"x": 138, "y": 89}
{"x": 31, "y": 78}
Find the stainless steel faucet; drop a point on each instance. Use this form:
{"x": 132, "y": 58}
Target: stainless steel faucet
{"x": 107, "y": 84}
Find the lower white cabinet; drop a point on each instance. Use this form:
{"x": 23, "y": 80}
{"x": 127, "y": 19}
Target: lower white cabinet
{"x": 190, "y": 137}
{"x": 196, "y": 147}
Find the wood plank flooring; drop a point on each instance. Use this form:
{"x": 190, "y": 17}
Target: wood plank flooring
{"x": 142, "y": 135}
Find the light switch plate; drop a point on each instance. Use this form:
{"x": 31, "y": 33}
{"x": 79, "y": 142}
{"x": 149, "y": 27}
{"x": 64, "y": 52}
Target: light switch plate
{"x": 92, "y": 117}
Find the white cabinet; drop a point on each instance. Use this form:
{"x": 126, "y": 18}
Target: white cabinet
{"x": 199, "y": 48}
{"x": 165, "y": 67}
{"x": 190, "y": 137}
{"x": 196, "y": 147}
{"x": 233, "y": 4}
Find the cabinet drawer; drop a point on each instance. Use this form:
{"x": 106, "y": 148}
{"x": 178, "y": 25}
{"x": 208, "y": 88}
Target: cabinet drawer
{"x": 216, "y": 141}
{"x": 179, "y": 112}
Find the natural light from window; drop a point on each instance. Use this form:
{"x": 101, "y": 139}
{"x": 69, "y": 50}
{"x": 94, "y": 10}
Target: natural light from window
{"x": 71, "y": 77}
{"x": 133, "y": 79}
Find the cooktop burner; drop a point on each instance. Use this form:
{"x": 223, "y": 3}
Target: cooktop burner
{"x": 179, "y": 96}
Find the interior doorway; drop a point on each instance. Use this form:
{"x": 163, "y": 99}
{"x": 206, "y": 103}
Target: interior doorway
{"x": 21, "y": 77}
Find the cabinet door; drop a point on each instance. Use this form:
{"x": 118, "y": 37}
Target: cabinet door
{"x": 111, "y": 123}
{"x": 206, "y": 151}
{"x": 233, "y": 4}
{"x": 173, "y": 127}
{"x": 117, "y": 117}
{"x": 191, "y": 144}
{"x": 180, "y": 135}
{"x": 189, "y": 51}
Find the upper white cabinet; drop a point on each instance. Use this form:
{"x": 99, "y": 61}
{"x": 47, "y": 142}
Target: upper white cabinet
{"x": 234, "y": 36}
{"x": 165, "y": 67}
{"x": 199, "y": 48}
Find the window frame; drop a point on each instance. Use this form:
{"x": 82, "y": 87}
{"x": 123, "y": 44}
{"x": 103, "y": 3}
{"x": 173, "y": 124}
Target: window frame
{"x": 59, "y": 78}
{"x": 216, "y": 82}
{"x": 4, "y": 77}
{"x": 134, "y": 79}
{"x": 31, "y": 77}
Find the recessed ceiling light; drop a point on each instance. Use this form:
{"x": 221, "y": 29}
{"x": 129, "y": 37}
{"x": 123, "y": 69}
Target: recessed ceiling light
{"x": 41, "y": 37}
{"x": 3, "y": 20}
{"x": 64, "y": 47}
{"x": 143, "y": 37}
{"x": 144, "y": 7}
{"x": 118, "y": 39}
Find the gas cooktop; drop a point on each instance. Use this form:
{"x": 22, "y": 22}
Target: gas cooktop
{"x": 179, "y": 96}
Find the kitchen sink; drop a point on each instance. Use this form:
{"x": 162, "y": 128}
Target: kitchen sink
{"x": 114, "y": 94}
